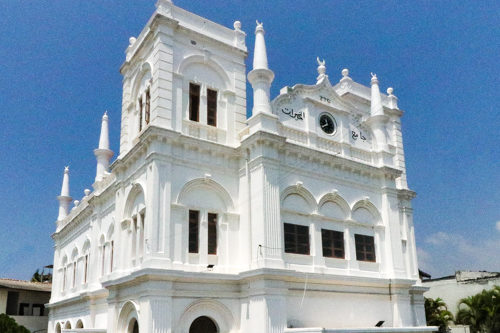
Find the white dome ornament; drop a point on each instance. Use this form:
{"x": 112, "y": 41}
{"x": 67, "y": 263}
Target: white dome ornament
{"x": 321, "y": 70}
{"x": 237, "y": 25}
{"x": 393, "y": 100}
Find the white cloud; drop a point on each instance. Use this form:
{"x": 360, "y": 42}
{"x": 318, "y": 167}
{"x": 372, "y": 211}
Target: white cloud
{"x": 438, "y": 238}
{"x": 444, "y": 253}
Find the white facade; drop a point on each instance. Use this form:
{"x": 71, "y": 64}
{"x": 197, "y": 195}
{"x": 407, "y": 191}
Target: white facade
{"x": 314, "y": 160}
{"x": 452, "y": 289}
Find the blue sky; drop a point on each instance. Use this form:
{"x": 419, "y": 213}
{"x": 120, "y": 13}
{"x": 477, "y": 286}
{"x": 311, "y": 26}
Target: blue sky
{"x": 59, "y": 72}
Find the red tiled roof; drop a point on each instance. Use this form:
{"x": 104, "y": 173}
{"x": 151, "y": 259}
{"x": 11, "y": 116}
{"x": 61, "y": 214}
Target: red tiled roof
{"x": 25, "y": 285}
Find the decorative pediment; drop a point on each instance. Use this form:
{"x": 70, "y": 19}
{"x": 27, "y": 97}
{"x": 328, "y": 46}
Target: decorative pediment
{"x": 292, "y": 100}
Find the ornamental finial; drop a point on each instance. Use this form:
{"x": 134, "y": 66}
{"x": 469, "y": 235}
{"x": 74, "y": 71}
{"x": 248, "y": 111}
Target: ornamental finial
{"x": 259, "y": 27}
{"x": 321, "y": 69}
{"x": 321, "y": 66}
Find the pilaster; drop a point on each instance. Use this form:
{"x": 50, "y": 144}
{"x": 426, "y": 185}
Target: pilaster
{"x": 267, "y": 307}
{"x": 161, "y": 88}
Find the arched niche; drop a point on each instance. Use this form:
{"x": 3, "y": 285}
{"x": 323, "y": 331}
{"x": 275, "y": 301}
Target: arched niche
{"x": 298, "y": 199}
{"x": 111, "y": 230}
{"x": 214, "y": 310}
{"x": 205, "y": 193}
{"x": 102, "y": 240}
{"x": 58, "y": 328}
{"x": 128, "y": 320}
{"x": 86, "y": 246}
{"x": 334, "y": 206}
{"x": 79, "y": 324}
{"x": 198, "y": 68}
{"x": 136, "y": 201}
{"x": 67, "y": 326}
{"x": 203, "y": 324}
{"x": 64, "y": 261}
{"x": 365, "y": 212}
{"x": 74, "y": 254}
{"x": 142, "y": 80}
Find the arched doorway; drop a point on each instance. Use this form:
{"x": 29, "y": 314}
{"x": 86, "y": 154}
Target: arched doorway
{"x": 133, "y": 326}
{"x": 203, "y": 324}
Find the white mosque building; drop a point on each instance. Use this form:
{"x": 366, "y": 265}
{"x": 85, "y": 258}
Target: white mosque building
{"x": 297, "y": 219}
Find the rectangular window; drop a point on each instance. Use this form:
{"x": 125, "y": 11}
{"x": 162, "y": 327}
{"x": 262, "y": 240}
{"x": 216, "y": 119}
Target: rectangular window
{"x": 24, "y": 309}
{"x": 211, "y": 107}
{"x": 194, "y": 226}
{"x": 333, "y": 243}
{"x": 134, "y": 237}
{"x": 296, "y": 239}
{"x": 86, "y": 268}
{"x": 148, "y": 107}
{"x": 64, "y": 279}
{"x": 194, "y": 102}
{"x": 140, "y": 114}
{"x": 103, "y": 259}
{"x": 141, "y": 234}
{"x": 12, "y": 301}
{"x": 74, "y": 274}
{"x": 38, "y": 309}
{"x": 212, "y": 233}
{"x": 112, "y": 255}
{"x": 365, "y": 248}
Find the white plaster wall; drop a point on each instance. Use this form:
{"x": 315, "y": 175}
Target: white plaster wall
{"x": 451, "y": 291}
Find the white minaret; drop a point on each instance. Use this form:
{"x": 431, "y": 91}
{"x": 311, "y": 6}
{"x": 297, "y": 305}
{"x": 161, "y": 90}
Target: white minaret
{"x": 378, "y": 119}
{"x": 103, "y": 153}
{"x": 261, "y": 76}
{"x": 64, "y": 198}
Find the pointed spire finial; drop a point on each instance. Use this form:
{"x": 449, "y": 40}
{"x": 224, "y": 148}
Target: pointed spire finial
{"x": 378, "y": 119}
{"x": 64, "y": 198}
{"x": 104, "y": 138}
{"x": 65, "y": 184}
{"x": 376, "y": 100}
{"x": 260, "y": 52}
{"x": 260, "y": 77}
{"x": 103, "y": 153}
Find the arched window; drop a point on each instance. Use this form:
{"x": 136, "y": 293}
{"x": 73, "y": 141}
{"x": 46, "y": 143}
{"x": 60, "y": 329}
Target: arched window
{"x": 86, "y": 261}
{"x": 58, "y": 328}
{"x": 64, "y": 272}
{"x": 102, "y": 246}
{"x": 74, "y": 267}
{"x": 133, "y": 327}
{"x": 136, "y": 214}
{"x": 143, "y": 98}
{"x": 79, "y": 324}
{"x": 207, "y": 203}
{"x": 67, "y": 326}
{"x": 203, "y": 324}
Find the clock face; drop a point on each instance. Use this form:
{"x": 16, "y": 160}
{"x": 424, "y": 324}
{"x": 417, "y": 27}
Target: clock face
{"x": 327, "y": 123}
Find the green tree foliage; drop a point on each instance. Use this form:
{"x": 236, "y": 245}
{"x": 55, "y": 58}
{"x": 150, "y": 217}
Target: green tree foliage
{"x": 9, "y": 325}
{"x": 437, "y": 314}
{"x": 41, "y": 277}
{"x": 481, "y": 311}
